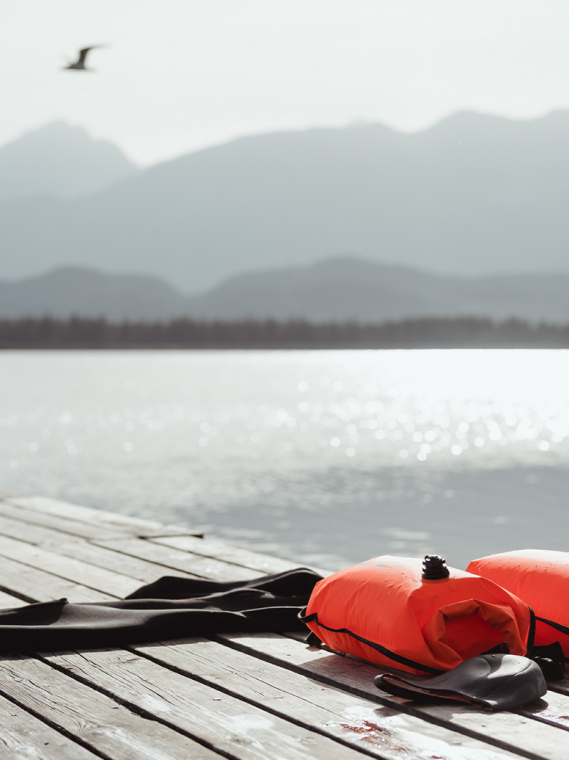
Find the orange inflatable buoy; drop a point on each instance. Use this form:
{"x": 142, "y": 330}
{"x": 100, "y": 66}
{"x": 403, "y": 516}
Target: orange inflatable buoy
{"x": 541, "y": 579}
{"x": 421, "y": 618}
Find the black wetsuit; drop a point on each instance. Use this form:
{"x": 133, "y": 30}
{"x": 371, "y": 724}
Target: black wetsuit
{"x": 170, "y": 608}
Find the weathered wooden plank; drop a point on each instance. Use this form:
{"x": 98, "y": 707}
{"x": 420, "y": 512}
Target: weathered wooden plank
{"x": 97, "y": 578}
{"x": 78, "y": 548}
{"x": 509, "y": 731}
{"x": 40, "y": 586}
{"x": 231, "y": 725}
{"x": 129, "y": 525}
{"x": 101, "y": 556}
{"x": 203, "y": 559}
{"x": 98, "y": 721}
{"x": 39, "y": 535}
{"x": 62, "y": 525}
{"x": 384, "y": 732}
{"x": 123, "y": 557}
{"x": 207, "y": 547}
{"x": 24, "y": 737}
{"x": 176, "y": 559}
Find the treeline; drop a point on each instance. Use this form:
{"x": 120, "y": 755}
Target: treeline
{"x": 461, "y": 332}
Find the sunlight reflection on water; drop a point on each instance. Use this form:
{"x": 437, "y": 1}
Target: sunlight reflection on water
{"x": 318, "y": 455}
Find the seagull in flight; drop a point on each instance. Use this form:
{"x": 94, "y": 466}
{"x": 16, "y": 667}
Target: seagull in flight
{"x": 79, "y": 64}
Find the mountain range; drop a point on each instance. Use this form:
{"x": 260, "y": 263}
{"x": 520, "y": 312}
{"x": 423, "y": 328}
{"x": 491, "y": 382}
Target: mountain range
{"x": 472, "y": 195}
{"x": 333, "y": 290}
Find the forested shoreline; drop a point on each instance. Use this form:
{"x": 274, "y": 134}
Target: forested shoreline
{"x": 460, "y": 332}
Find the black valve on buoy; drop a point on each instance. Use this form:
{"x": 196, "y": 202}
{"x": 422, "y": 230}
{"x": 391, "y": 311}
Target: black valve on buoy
{"x": 435, "y": 568}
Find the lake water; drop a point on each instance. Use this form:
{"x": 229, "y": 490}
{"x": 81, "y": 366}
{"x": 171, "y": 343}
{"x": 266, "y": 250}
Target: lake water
{"x": 327, "y": 457}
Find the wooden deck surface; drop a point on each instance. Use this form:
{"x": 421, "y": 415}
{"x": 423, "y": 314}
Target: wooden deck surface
{"x": 241, "y": 696}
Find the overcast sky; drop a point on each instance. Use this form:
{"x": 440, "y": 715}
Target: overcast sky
{"x": 181, "y": 74}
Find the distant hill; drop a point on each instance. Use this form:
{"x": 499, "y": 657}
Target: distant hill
{"x": 350, "y": 288}
{"x": 72, "y": 291}
{"x": 61, "y": 162}
{"x": 333, "y": 290}
{"x": 473, "y": 195}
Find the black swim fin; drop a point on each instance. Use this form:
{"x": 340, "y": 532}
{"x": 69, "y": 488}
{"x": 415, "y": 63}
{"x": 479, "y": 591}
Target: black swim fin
{"x": 490, "y": 681}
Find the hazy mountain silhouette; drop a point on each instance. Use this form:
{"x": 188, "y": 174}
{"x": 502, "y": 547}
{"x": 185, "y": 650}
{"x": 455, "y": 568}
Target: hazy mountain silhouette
{"x": 71, "y": 291}
{"x": 474, "y": 194}
{"x": 59, "y": 161}
{"x": 350, "y": 288}
{"x": 334, "y": 290}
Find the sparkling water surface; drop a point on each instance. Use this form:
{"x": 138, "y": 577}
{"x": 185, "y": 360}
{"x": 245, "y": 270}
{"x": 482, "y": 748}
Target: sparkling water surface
{"x": 325, "y": 457}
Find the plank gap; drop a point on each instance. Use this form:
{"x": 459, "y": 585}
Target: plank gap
{"x": 17, "y": 595}
{"x": 152, "y": 537}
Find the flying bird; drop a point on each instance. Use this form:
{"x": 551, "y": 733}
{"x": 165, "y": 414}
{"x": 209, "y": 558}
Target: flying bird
{"x": 79, "y": 64}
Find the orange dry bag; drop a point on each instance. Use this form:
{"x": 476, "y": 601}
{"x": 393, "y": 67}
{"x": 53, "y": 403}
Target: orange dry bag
{"x": 423, "y": 619}
{"x": 541, "y": 579}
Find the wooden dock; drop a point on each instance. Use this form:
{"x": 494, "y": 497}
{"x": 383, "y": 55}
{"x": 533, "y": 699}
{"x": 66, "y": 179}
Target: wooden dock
{"x": 239, "y": 696}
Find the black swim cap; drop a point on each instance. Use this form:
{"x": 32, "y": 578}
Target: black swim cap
{"x": 491, "y": 681}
